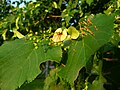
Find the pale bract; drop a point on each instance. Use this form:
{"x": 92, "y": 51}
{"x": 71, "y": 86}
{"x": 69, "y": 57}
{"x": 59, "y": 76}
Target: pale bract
{"x": 74, "y": 34}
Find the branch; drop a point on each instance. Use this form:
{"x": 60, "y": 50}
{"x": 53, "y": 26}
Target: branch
{"x": 53, "y": 16}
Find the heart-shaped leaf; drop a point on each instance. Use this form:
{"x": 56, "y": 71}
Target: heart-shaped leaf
{"x": 19, "y": 62}
{"x": 81, "y": 50}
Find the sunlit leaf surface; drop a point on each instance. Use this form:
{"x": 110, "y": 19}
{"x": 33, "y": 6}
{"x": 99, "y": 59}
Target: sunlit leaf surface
{"x": 20, "y": 62}
{"x": 81, "y": 50}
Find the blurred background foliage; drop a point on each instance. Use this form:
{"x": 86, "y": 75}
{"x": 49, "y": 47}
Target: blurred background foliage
{"x": 42, "y": 17}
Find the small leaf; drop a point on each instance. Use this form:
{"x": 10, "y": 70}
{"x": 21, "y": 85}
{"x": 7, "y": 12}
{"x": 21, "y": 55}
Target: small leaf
{"x": 74, "y": 34}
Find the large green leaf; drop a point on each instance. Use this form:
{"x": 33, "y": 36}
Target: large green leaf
{"x": 19, "y": 62}
{"x": 81, "y": 50}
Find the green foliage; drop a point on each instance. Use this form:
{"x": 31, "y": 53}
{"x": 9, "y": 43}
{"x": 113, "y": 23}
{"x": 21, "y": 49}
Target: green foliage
{"x": 34, "y": 85}
{"x": 21, "y": 61}
{"x": 81, "y": 50}
{"x": 73, "y": 34}
{"x": 99, "y": 81}
{"x": 89, "y": 1}
{"x": 98, "y": 84}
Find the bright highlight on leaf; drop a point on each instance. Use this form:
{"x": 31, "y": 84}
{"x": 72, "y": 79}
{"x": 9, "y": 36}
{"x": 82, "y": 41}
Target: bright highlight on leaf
{"x": 55, "y": 4}
{"x": 4, "y": 34}
{"x": 74, "y": 34}
{"x": 17, "y": 34}
{"x": 17, "y": 22}
{"x": 59, "y": 35}
{"x": 118, "y": 46}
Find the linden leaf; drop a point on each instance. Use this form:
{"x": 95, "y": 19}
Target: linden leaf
{"x": 81, "y": 50}
{"x": 19, "y": 61}
{"x": 74, "y": 34}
